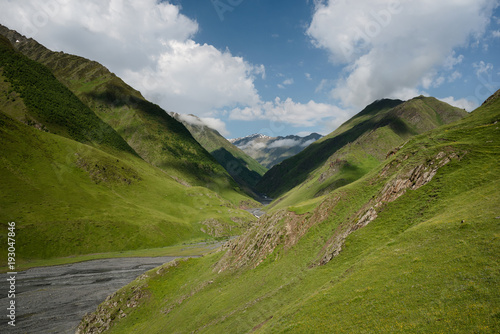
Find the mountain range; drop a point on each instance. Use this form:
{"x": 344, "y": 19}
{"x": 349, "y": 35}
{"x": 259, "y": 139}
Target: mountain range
{"x": 355, "y": 148}
{"x": 270, "y": 151}
{"x": 409, "y": 246}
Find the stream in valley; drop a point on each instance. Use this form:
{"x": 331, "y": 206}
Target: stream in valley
{"x": 55, "y": 299}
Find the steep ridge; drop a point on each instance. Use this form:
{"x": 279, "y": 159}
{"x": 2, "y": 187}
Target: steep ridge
{"x": 270, "y": 151}
{"x": 72, "y": 190}
{"x": 149, "y": 130}
{"x": 410, "y": 247}
{"x": 244, "y": 169}
{"x": 354, "y": 148}
{"x": 49, "y": 105}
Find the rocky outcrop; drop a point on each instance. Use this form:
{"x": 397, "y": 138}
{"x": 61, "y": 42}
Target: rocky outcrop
{"x": 216, "y": 228}
{"x": 116, "y": 306}
{"x": 287, "y": 228}
{"x": 282, "y": 228}
{"x": 412, "y": 179}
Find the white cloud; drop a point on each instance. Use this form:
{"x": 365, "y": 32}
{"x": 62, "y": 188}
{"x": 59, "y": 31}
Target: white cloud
{"x": 162, "y": 60}
{"x": 482, "y": 68}
{"x": 460, "y": 103}
{"x": 288, "y": 82}
{"x": 290, "y": 112}
{"x": 216, "y": 124}
{"x": 308, "y": 76}
{"x": 213, "y": 123}
{"x": 451, "y": 61}
{"x": 190, "y": 119}
{"x": 454, "y": 76}
{"x": 284, "y": 143}
{"x": 307, "y": 143}
{"x": 438, "y": 82}
{"x": 253, "y": 145}
{"x": 388, "y": 47}
{"x": 195, "y": 78}
{"x": 322, "y": 85}
{"x": 496, "y": 33}
{"x": 432, "y": 80}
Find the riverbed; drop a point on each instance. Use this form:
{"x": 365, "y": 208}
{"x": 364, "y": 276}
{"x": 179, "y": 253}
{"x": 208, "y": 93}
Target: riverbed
{"x": 55, "y": 299}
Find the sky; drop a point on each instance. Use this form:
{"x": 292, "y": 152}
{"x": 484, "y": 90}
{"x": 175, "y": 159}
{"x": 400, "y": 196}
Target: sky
{"x": 280, "y": 67}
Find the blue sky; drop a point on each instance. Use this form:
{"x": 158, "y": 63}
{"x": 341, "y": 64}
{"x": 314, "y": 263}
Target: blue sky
{"x": 277, "y": 67}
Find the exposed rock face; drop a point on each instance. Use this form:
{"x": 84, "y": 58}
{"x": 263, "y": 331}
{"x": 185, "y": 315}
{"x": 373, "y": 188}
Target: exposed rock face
{"x": 287, "y": 228}
{"x": 215, "y": 228}
{"x": 112, "y": 308}
{"x": 284, "y": 227}
{"x": 412, "y": 179}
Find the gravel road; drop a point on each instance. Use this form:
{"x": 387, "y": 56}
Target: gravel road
{"x": 55, "y": 299}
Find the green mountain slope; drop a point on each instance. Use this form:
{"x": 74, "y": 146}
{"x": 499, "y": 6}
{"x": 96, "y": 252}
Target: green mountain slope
{"x": 354, "y": 148}
{"x": 149, "y": 130}
{"x": 411, "y": 247}
{"x": 48, "y": 104}
{"x": 244, "y": 169}
{"x": 72, "y": 190}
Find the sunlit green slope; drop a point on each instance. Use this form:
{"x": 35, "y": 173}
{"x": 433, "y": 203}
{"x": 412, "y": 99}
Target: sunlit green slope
{"x": 73, "y": 186}
{"x": 148, "y": 129}
{"x": 355, "y": 148}
{"x": 411, "y": 247}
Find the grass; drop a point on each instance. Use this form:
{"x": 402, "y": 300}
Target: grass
{"x": 74, "y": 186}
{"x": 69, "y": 198}
{"x": 388, "y": 123}
{"x": 226, "y": 153}
{"x": 50, "y": 103}
{"x": 427, "y": 264}
{"x": 122, "y": 111}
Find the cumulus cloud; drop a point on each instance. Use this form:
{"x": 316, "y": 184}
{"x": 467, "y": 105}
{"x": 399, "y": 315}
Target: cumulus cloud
{"x": 284, "y": 143}
{"x": 288, "y": 111}
{"x": 451, "y": 61}
{"x": 216, "y": 124}
{"x": 307, "y": 142}
{"x": 253, "y": 145}
{"x": 388, "y": 47}
{"x": 190, "y": 77}
{"x": 146, "y": 42}
{"x": 460, "y": 103}
{"x": 482, "y": 68}
{"x": 213, "y": 123}
{"x": 454, "y": 76}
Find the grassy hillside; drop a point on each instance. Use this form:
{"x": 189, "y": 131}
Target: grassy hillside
{"x": 411, "y": 247}
{"x": 149, "y": 130}
{"x": 69, "y": 198}
{"x": 74, "y": 186}
{"x": 355, "y": 148}
{"x": 48, "y": 104}
{"x": 244, "y": 169}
